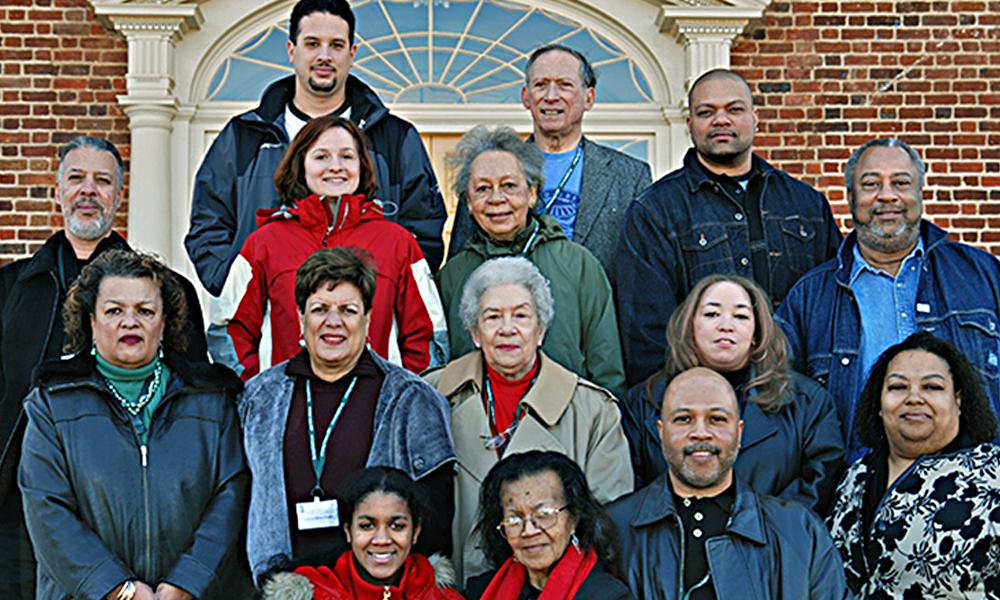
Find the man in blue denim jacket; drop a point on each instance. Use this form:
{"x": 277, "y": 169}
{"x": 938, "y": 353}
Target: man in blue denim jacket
{"x": 893, "y": 275}
{"x": 725, "y": 211}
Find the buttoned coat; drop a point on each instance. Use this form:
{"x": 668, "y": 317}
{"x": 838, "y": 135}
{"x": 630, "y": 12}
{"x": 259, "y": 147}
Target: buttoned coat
{"x": 564, "y": 413}
{"x": 611, "y": 181}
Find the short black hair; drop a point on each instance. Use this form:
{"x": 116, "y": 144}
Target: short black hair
{"x": 304, "y": 8}
{"x": 594, "y": 527}
{"x": 587, "y": 74}
{"x": 714, "y": 74}
{"x": 333, "y": 266}
{"x": 381, "y": 479}
{"x": 976, "y": 418}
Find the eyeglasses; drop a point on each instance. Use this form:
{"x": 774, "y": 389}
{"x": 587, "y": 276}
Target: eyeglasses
{"x": 543, "y": 518}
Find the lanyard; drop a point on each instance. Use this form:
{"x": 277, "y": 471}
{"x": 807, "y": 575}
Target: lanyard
{"x": 318, "y": 462}
{"x": 499, "y": 441}
{"x": 564, "y": 180}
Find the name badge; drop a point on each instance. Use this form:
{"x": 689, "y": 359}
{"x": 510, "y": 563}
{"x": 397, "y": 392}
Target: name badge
{"x": 317, "y": 514}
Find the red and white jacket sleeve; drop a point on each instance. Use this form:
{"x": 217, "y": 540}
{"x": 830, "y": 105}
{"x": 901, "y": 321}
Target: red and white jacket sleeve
{"x": 419, "y": 322}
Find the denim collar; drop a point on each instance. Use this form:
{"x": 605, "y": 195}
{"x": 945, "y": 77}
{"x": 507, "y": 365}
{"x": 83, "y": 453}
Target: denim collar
{"x": 930, "y": 234}
{"x": 697, "y": 175}
{"x": 860, "y": 264}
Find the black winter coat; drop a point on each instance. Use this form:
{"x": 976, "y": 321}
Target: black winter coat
{"x": 236, "y": 178}
{"x": 599, "y": 585}
{"x": 32, "y": 292}
{"x": 102, "y": 509}
{"x": 797, "y": 454}
{"x": 772, "y": 549}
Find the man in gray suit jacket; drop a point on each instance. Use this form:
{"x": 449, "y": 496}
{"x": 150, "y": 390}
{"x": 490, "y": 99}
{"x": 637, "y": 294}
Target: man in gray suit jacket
{"x": 587, "y": 186}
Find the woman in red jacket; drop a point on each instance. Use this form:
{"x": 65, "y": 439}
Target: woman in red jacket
{"x": 382, "y": 515}
{"x": 327, "y": 187}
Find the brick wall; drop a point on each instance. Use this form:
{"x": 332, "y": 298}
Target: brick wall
{"x": 60, "y": 74}
{"x": 831, "y": 75}
{"x": 828, "y": 76}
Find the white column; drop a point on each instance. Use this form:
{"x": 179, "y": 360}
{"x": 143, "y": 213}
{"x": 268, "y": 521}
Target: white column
{"x": 706, "y": 34}
{"x": 151, "y": 30}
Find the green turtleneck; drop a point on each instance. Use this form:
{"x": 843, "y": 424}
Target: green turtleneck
{"x": 131, "y": 383}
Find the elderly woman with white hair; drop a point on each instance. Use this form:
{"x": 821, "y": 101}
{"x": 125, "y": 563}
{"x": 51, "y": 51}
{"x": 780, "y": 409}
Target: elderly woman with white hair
{"x": 498, "y": 176}
{"x": 508, "y": 397}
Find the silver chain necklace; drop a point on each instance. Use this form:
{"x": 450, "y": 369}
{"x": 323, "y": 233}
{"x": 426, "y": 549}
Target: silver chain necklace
{"x": 135, "y": 407}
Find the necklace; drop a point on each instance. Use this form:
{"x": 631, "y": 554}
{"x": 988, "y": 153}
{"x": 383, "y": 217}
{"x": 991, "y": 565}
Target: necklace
{"x": 134, "y": 407}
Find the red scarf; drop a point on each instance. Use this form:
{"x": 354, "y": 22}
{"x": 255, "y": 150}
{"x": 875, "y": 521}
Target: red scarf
{"x": 344, "y": 582}
{"x": 563, "y": 583}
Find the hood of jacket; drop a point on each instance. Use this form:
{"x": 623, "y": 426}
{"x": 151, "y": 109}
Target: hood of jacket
{"x": 316, "y": 214}
{"x": 538, "y": 230}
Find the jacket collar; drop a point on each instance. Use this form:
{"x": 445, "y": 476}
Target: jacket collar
{"x": 366, "y": 107}
{"x": 538, "y": 230}
{"x": 315, "y": 214}
{"x": 548, "y": 399}
{"x": 79, "y": 369}
{"x": 46, "y": 259}
{"x": 656, "y": 503}
{"x": 595, "y": 185}
{"x": 696, "y": 177}
{"x": 932, "y": 236}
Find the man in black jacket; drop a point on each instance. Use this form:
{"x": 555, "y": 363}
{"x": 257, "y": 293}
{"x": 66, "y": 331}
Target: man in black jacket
{"x": 88, "y": 191}
{"x": 725, "y": 211}
{"x": 698, "y": 533}
{"x": 236, "y": 177}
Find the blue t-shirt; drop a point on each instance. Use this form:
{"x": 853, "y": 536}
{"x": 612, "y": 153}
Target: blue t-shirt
{"x": 566, "y": 206}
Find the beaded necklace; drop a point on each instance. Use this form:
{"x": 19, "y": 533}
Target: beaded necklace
{"x": 135, "y": 407}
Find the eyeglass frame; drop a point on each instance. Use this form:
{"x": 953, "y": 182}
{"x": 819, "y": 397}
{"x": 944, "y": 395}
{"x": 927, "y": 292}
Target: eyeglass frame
{"x": 524, "y": 521}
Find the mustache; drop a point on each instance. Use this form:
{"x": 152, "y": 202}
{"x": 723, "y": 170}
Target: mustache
{"x": 87, "y": 202}
{"x": 701, "y": 447}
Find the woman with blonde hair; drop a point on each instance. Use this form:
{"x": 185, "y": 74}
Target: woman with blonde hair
{"x": 791, "y": 446}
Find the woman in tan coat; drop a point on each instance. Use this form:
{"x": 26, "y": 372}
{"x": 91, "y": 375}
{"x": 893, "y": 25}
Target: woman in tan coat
{"x": 508, "y": 397}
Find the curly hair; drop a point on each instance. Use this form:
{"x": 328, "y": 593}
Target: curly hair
{"x": 594, "y": 527}
{"x": 81, "y": 301}
{"x": 482, "y": 139}
{"x": 506, "y": 270}
{"x": 767, "y": 354}
{"x": 976, "y": 417}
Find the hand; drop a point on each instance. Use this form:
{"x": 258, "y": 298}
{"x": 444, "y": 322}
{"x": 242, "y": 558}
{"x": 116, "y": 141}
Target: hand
{"x": 165, "y": 591}
{"x": 142, "y": 592}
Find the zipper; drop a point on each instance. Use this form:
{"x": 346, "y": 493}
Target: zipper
{"x": 144, "y": 462}
{"x": 386, "y": 593}
{"x": 680, "y": 571}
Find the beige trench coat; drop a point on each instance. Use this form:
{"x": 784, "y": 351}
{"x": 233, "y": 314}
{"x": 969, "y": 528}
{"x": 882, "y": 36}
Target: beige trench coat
{"x": 565, "y": 413}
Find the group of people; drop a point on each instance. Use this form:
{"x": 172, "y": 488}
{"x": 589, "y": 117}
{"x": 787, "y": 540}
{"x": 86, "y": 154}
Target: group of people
{"x": 591, "y": 398}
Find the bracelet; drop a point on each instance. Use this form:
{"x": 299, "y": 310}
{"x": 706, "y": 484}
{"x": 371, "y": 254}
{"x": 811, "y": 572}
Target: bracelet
{"x": 127, "y": 591}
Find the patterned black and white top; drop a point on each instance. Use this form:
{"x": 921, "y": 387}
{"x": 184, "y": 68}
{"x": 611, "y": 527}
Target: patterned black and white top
{"x": 936, "y": 531}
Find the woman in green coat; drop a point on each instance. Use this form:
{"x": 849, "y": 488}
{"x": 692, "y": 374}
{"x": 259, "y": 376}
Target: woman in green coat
{"x": 499, "y": 175}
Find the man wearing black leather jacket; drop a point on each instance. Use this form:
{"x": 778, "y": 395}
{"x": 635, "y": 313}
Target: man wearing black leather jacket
{"x": 698, "y": 533}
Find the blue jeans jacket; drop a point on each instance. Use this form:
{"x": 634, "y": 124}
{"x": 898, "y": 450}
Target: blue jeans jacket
{"x": 684, "y": 227}
{"x": 958, "y": 300}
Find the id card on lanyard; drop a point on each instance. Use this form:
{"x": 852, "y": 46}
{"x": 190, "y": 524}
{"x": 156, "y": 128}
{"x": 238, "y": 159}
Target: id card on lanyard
{"x": 319, "y": 513}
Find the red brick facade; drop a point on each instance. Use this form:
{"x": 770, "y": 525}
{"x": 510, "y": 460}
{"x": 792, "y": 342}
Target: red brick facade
{"x": 828, "y": 76}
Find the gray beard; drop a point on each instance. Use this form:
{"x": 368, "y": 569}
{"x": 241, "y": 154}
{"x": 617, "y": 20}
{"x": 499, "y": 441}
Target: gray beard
{"x": 870, "y": 236}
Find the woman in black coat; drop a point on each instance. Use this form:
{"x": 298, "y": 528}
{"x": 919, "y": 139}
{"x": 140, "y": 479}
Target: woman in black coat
{"x": 792, "y": 446}
{"x": 542, "y": 530}
{"x": 132, "y": 472}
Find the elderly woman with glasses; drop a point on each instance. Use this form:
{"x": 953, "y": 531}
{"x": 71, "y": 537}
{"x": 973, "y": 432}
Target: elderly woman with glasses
{"x": 509, "y": 396}
{"x": 545, "y": 534}
{"x": 919, "y": 516}
{"x": 499, "y": 176}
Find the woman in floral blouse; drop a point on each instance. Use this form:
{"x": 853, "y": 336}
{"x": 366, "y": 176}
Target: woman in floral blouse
{"x": 919, "y": 516}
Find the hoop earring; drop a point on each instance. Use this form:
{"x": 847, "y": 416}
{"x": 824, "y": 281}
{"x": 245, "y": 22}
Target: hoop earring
{"x": 761, "y": 357}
